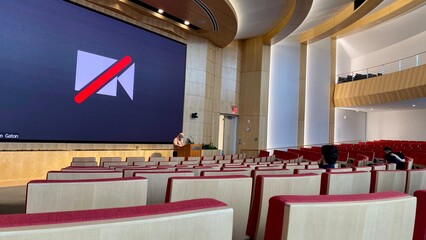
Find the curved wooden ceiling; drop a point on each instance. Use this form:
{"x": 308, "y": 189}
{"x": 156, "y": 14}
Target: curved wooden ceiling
{"x": 217, "y": 20}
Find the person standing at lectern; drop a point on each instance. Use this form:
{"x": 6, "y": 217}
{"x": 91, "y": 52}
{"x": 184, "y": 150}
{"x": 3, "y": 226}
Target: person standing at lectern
{"x": 177, "y": 144}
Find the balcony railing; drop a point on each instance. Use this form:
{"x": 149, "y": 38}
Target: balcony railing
{"x": 396, "y": 66}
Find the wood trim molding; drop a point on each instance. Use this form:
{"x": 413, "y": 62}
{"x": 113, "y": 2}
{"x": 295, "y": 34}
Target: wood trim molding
{"x": 399, "y": 86}
{"x": 139, "y": 18}
{"x": 130, "y": 12}
{"x": 341, "y": 20}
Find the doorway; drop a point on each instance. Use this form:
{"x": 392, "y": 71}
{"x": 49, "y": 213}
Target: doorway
{"x": 228, "y": 134}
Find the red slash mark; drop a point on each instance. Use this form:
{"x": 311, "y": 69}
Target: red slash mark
{"x": 102, "y": 79}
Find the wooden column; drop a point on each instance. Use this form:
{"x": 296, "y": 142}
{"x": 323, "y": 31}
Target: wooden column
{"x": 254, "y": 90}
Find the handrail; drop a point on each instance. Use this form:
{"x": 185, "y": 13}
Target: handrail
{"x": 295, "y": 147}
{"x": 386, "y": 68}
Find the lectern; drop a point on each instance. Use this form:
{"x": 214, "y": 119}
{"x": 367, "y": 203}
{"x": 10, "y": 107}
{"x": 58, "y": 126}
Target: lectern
{"x": 190, "y": 150}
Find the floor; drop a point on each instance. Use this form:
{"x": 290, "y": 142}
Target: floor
{"x": 12, "y": 199}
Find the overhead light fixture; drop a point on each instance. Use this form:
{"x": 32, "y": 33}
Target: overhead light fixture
{"x": 186, "y": 23}
{"x": 371, "y": 109}
{"x": 160, "y": 11}
{"x": 413, "y": 105}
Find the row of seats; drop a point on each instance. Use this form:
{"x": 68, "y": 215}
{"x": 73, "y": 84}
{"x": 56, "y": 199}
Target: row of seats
{"x": 105, "y": 161}
{"x": 250, "y": 169}
{"x": 235, "y": 191}
{"x": 413, "y": 149}
{"x": 185, "y": 220}
{"x": 191, "y": 179}
{"x": 357, "y": 76}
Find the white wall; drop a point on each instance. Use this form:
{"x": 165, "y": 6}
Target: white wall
{"x": 283, "y": 94}
{"x": 398, "y": 125}
{"x": 349, "y": 125}
{"x": 317, "y": 93}
{"x": 400, "y": 50}
{"x": 343, "y": 62}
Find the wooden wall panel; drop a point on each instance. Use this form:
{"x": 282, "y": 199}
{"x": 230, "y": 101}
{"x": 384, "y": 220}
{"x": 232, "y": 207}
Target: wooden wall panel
{"x": 393, "y": 87}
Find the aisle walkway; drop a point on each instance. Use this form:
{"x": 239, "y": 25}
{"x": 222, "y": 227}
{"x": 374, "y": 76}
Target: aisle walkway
{"x": 12, "y": 199}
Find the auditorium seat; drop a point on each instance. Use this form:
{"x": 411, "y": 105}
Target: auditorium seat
{"x": 157, "y": 183}
{"x": 420, "y": 223}
{"x": 84, "y": 164}
{"x": 225, "y": 172}
{"x": 193, "y": 159}
{"x": 363, "y": 168}
{"x": 237, "y": 161}
{"x": 312, "y": 170}
{"x": 416, "y": 180}
{"x": 83, "y": 159}
{"x": 108, "y": 164}
{"x": 108, "y": 159}
{"x": 208, "y": 162}
{"x": 206, "y": 219}
{"x": 377, "y": 216}
{"x": 408, "y": 164}
{"x": 128, "y": 172}
{"x": 378, "y": 167}
{"x": 292, "y": 167}
{"x": 312, "y": 165}
{"x": 157, "y": 159}
{"x": 225, "y": 161}
{"x": 268, "y": 186}
{"x": 82, "y": 169}
{"x": 144, "y": 163}
{"x": 334, "y": 183}
{"x": 348, "y": 169}
{"x": 384, "y": 180}
{"x": 391, "y": 166}
{"x": 130, "y": 160}
{"x": 80, "y": 175}
{"x": 190, "y": 162}
{"x": 177, "y": 159}
{"x": 70, "y": 195}
{"x": 235, "y": 191}
{"x": 169, "y": 163}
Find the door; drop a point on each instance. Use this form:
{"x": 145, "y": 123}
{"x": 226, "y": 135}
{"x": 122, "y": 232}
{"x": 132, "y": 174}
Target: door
{"x": 228, "y": 134}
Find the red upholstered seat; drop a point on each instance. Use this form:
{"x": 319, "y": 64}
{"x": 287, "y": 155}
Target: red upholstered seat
{"x": 234, "y": 190}
{"x": 388, "y": 180}
{"x": 325, "y": 217}
{"x": 271, "y": 185}
{"x": 416, "y": 180}
{"x": 333, "y": 183}
{"x": 420, "y": 224}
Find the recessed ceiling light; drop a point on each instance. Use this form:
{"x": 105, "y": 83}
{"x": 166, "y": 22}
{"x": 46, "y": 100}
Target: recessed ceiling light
{"x": 413, "y": 105}
{"x": 371, "y": 109}
{"x": 160, "y": 10}
{"x": 186, "y": 23}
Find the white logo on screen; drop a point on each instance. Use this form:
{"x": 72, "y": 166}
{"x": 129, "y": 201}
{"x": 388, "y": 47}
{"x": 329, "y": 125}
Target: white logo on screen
{"x": 90, "y": 66}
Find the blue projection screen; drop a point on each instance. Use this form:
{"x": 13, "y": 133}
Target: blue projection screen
{"x": 69, "y": 74}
